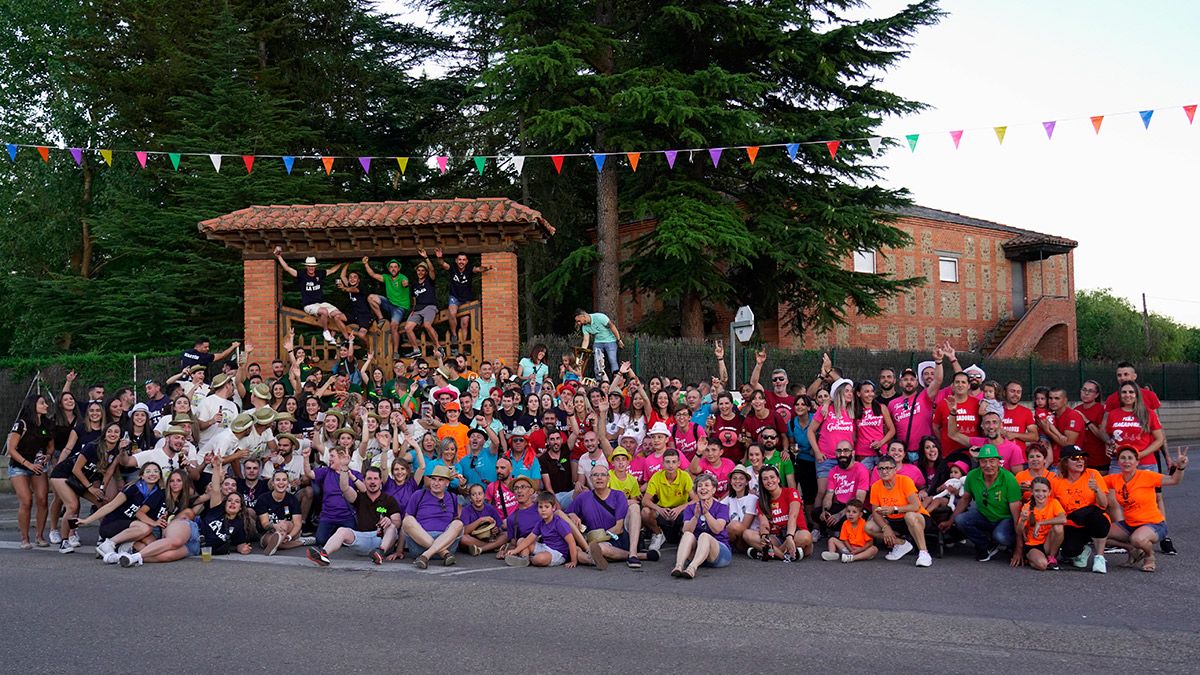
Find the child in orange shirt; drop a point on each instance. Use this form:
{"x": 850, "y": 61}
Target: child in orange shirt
{"x": 853, "y": 542}
{"x": 1041, "y": 525}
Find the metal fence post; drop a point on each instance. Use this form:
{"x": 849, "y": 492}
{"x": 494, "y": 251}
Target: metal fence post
{"x": 637, "y": 360}
{"x": 1164, "y": 378}
{"x": 1032, "y": 384}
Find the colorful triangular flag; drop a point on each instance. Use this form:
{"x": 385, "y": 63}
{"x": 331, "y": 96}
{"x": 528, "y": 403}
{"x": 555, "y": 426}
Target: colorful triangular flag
{"x": 752, "y": 153}
{"x": 77, "y": 155}
{"x": 44, "y": 152}
{"x": 558, "y": 162}
{"x": 365, "y": 163}
{"x": 876, "y": 143}
{"x": 142, "y": 157}
{"x": 480, "y": 162}
{"x": 956, "y": 136}
{"x": 106, "y": 155}
{"x": 792, "y": 149}
{"x": 288, "y": 161}
{"x": 518, "y": 163}
{"x": 912, "y": 141}
{"x": 12, "y": 151}
{"x": 1146, "y": 115}
{"x": 403, "y": 163}
{"x": 1190, "y": 111}
{"x": 216, "y": 162}
{"x": 1097, "y": 120}
{"x": 671, "y": 154}
{"x": 634, "y": 158}
{"x": 1049, "y": 127}
{"x": 1000, "y": 131}
{"x": 832, "y": 147}
{"x": 327, "y": 162}
{"x": 599, "y": 159}
{"x": 442, "y": 162}
{"x": 715, "y": 155}
{"x": 174, "y": 159}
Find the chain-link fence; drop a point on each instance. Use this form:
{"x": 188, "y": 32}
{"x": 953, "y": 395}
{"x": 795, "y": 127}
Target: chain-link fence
{"x": 113, "y": 371}
{"x": 693, "y": 361}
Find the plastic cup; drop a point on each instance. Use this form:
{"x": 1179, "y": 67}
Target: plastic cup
{"x": 206, "y": 553}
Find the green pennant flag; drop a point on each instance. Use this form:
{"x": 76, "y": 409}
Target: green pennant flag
{"x": 479, "y": 162}
{"x": 174, "y": 159}
{"x": 912, "y": 141}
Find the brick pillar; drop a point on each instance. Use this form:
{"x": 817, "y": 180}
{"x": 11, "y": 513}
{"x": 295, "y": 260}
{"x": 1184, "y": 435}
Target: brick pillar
{"x": 500, "y": 312}
{"x": 261, "y": 293}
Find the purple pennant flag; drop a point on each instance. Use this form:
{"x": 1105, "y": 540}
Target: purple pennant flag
{"x": 599, "y": 161}
{"x": 77, "y": 153}
{"x": 1049, "y": 127}
{"x": 671, "y": 157}
{"x": 1146, "y": 115}
{"x": 366, "y": 164}
{"x": 791, "y": 150}
{"x": 715, "y": 154}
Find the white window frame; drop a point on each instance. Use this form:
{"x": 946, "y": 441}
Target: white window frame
{"x": 942, "y": 259}
{"x": 865, "y": 256}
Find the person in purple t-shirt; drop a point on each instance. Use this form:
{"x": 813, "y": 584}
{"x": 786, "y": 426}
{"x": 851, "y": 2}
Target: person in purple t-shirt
{"x": 339, "y": 488}
{"x": 704, "y": 524}
{"x": 483, "y": 526}
{"x": 524, "y": 516}
{"x": 431, "y": 521}
{"x": 603, "y": 511}
{"x": 552, "y": 541}
{"x": 848, "y": 480}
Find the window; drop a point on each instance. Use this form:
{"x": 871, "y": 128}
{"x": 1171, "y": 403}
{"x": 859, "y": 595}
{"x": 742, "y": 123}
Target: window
{"x": 948, "y": 269}
{"x": 864, "y": 261}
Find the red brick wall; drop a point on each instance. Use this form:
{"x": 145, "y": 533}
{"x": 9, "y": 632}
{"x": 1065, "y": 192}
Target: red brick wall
{"x": 1047, "y": 329}
{"x": 261, "y": 304}
{"x": 501, "y": 320}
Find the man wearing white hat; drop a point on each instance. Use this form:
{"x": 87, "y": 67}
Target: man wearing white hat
{"x": 311, "y": 284}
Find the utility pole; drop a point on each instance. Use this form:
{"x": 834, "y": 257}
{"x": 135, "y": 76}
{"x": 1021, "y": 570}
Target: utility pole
{"x": 1146, "y": 324}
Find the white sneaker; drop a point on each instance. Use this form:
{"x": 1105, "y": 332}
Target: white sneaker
{"x": 899, "y": 550}
{"x": 129, "y": 559}
{"x": 74, "y": 539}
{"x": 55, "y": 537}
{"x": 830, "y": 556}
{"x": 112, "y": 558}
{"x": 105, "y": 547}
{"x": 847, "y": 558}
{"x": 127, "y": 547}
{"x": 1099, "y": 565}
{"x": 657, "y": 541}
{"x": 923, "y": 559}
{"x": 65, "y": 546}
{"x": 328, "y": 337}
{"x": 799, "y": 555}
{"x": 308, "y": 541}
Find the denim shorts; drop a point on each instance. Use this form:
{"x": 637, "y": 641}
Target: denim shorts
{"x": 394, "y": 313}
{"x": 1160, "y": 529}
{"x": 365, "y": 542}
{"x": 193, "y": 542}
{"x": 723, "y": 558}
{"x": 869, "y": 462}
{"x": 455, "y": 302}
{"x": 15, "y": 471}
{"x": 825, "y": 466}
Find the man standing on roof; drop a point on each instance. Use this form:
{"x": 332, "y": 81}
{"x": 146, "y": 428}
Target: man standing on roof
{"x": 462, "y": 277}
{"x": 396, "y": 301}
{"x": 311, "y": 284}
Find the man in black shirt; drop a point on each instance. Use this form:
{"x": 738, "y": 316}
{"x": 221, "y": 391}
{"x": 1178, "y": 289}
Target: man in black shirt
{"x": 311, "y": 284}
{"x": 377, "y": 524}
{"x": 462, "y": 277}
{"x": 199, "y": 354}
{"x": 887, "y": 386}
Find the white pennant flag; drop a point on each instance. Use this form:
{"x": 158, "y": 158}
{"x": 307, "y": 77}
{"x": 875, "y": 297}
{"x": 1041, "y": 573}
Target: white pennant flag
{"x": 517, "y": 162}
{"x": 216, "y": 160}
{"x": 876, "y": 144}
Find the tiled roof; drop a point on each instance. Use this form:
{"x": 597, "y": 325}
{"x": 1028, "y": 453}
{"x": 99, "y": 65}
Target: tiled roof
{"x": 1021, "y": 237}
{"x": 492, "y": 210}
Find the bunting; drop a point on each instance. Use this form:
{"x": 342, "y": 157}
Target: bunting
{"x": 558, "y": 161}
{"x": 634, "y": 158}
{"x": 599, "y": 159}
{"x": 365, "y": 163}
{"x": 142, "y": 157}
{"x": 752, "y": 153}
{"x": 832, "y": 147}
{"x": 216, "y": 162}
{"x": 327, "y": 162}
{"x": 956, "y": 136}
{"x": 288, "y": 161}
{"x": 480, "y": 162}
{"x": 402, "y": 162}
{"x": 45, "y": 153}
{"x": 1097, "y": 120}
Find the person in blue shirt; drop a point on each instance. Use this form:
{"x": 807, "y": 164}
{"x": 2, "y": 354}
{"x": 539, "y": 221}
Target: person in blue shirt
{"x": 478, "y": 466}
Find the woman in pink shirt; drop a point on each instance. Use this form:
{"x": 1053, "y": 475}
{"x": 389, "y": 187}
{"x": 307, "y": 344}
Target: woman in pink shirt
{"x": 832, "y": 424}
{"x": 873, "y": 425}
{"x": 897, "y": 452}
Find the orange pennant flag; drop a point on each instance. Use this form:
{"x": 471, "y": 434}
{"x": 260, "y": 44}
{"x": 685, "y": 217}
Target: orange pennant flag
{"x": 833, "y": 148}
{"x": 1097, "y": 120}
{"x": 634, "y": 158}
{"x": 328, "y": 162}
{"x": 44, "y": 152}
{"x": 752, "y": 153}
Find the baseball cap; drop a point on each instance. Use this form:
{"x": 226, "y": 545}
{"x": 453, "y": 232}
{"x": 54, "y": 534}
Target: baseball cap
{"x": 988, "y": 451}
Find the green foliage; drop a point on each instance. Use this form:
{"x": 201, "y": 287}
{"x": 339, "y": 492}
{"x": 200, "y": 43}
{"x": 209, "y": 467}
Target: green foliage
{"x": 1111, "y": 328}
{"x": 111, "y": 370}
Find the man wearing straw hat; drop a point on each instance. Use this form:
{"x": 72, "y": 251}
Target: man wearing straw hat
{"x": 431, "y": 523}
{"x": 311, "y": 284}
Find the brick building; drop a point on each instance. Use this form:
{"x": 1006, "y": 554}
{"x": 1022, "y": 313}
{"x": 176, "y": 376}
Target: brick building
{"x": 989, "y": 287}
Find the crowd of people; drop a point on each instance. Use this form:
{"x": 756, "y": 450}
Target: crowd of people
{"x": 436, "y": 460}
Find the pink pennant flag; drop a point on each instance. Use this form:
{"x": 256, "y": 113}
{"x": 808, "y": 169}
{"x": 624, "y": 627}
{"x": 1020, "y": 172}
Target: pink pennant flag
{"x": 441, "y": 162}
{"x": 956, "y": 136}
{"x": 77, "y": 155}
{"x": 1049, "y": 127}
{"x": 141, "y": 157}
{"x": 365, "y": 162}
{"x": 833, "y": 146}
{"x": 671, "y": 154}
{"x": 715, "y": 155}
{"x": 1190, "y": 111}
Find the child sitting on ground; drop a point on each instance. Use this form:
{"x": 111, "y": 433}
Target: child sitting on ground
{"x": 852, "y": 543}
{"x": 551, "y": 543}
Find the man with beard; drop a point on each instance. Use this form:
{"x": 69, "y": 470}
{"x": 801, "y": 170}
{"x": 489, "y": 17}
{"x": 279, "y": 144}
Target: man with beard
{"x": 1012, "y": 457}
{"x": 887, "y": 386}
{"x": 1017, "y": 425}
{"x": 912, "y": 411}
{"x": 778, "y": 397}
{"x": 848, "y": 480}
{"x": 1064, "y": 424}
{"x": 557, "y": 471}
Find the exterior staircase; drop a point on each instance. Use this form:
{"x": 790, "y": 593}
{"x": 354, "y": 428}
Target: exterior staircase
{"x": 997, "y": 334}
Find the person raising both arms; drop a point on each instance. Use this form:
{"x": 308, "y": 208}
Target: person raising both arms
{"x": 311, "y": 284}
{"x": 396, "y": 301}
{"x": 462, "y": 277}
{"x": 424, "y": 293}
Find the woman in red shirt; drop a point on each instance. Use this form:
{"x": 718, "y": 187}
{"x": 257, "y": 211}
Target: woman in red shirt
{"x": 779, "y": 515}
{"x": 762, "y": 416}
{"x": 1091, "y": 439}
{"x": 1133, "y": 425}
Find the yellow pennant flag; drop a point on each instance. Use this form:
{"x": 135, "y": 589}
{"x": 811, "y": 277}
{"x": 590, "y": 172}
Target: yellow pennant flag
{"x": 1000, "y": 131}
{"x": 107, "y": 155}
{"x": 403, "y": 162}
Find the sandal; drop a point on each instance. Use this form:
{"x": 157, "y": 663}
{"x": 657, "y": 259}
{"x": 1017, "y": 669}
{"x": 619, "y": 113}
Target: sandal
{"x": 677, "y": 572}
{"x": 688, "y": 574}
{"x": 421, "y": 563}
{"x": 25, "y": 546}
{"x": 1149, "y": 565}
{"x": 42, "y": 543}
{"x": 1135, "y": 556}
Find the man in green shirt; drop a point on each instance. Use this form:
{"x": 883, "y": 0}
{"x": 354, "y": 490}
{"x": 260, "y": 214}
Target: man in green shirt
{"x": 997, "y": 503}
{"x": 602, "y": 335}
{"x": 396, "y": 302}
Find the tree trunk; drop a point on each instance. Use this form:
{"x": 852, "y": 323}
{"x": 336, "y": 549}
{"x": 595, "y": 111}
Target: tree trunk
{"x": 608, "y": 246}
{"x": 691, "y": 318}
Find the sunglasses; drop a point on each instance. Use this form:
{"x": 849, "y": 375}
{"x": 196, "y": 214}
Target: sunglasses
{"x": 768, "y": 437}
{"x": 885, "y": 468}
{"x": 778, "y": 379}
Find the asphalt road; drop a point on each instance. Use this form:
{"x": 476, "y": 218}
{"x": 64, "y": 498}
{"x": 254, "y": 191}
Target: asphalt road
{"x": 281, "y": 614}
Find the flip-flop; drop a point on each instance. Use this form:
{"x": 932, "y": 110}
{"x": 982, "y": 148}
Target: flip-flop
{"x": 688, "y": 574}
{"x": 1149, "y": 565}
{"x": 1135, "y": 556}
{"x": 677, "y": 573}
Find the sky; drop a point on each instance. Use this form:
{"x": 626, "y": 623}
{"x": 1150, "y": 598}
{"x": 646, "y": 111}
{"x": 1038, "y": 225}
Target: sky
{"x": 1127, "y": 194}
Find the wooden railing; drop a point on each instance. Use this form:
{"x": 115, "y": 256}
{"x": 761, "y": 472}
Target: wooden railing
{"x": 379, "y": 340}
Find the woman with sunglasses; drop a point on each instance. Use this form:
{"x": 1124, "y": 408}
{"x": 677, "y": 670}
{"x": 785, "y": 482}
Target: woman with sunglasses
{"x": 1083, "y": 495}
{"x": 1140, "y": 524}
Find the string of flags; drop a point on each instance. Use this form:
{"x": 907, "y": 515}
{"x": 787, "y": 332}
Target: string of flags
{"x": 517, "y": 162}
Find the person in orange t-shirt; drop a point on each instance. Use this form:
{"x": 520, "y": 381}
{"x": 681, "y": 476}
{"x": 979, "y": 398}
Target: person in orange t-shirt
{"x": 454, "y": 429}
{"x": 1035, "y": 463}
{"x": 1041, "y": 527}
{"x": 1142, "y": 523}
{"x": 852, "y": 543}
{"x": 895, "y": 504}
{"x": 1084, "y": 496}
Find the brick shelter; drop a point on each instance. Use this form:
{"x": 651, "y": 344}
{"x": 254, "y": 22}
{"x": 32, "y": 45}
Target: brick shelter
{"x": 988, "y": 287}
{"x": 489, "y": 227}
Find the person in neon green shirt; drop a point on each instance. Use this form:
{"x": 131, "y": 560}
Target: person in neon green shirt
{"x": 396, "y": 303}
